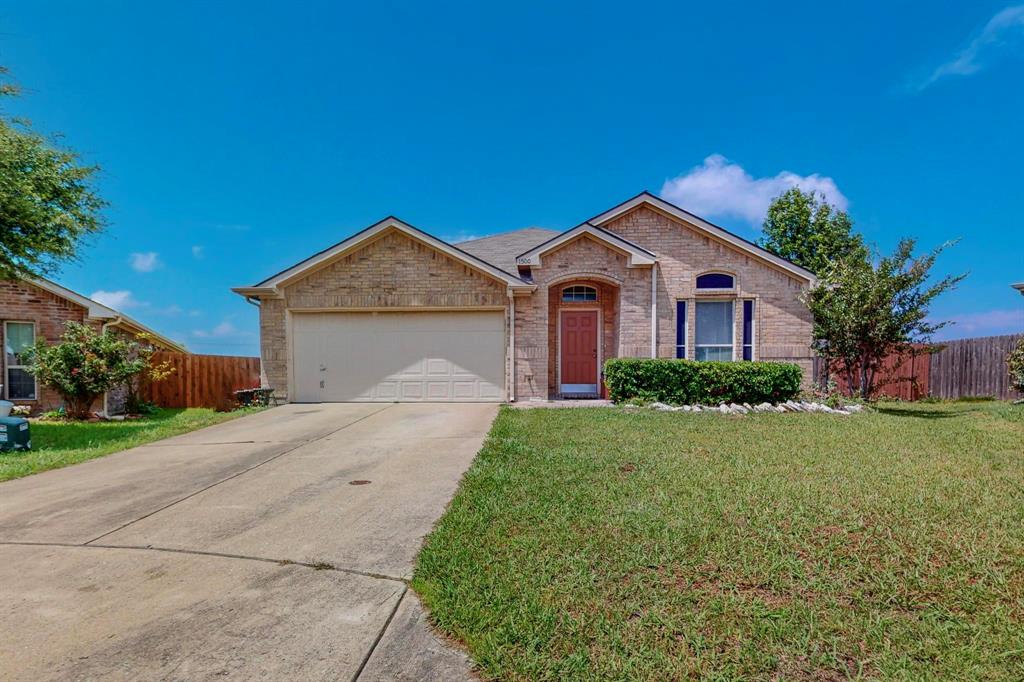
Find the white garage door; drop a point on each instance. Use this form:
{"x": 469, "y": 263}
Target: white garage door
{"x": 403, "y": 357}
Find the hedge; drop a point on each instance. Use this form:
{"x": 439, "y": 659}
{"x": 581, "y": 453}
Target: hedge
{"x": 687, "y": 382}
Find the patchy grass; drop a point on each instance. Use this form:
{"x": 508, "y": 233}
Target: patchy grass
{"x": 615, "y": 544}
{"x": 58, "y": 444}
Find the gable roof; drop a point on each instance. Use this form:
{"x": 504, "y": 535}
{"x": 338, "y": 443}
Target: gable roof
{"x": 270, "y": 285}
{"x": 712, "y": 230}
{"x": 502, "y": 249}
{"x": 638, "y": 256}
{"x": 98, "y": 311}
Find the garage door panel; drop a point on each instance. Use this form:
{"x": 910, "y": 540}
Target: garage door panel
{"x": 430, "y": 356}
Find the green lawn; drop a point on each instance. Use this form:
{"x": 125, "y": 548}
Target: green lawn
{"x": 615, "y": 544}
{"x": 58, "y": 444}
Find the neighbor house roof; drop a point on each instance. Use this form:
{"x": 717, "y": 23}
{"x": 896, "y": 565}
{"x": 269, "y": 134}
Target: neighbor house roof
{"x": 502, "y": 249}
{"x": 269, "y": 286}
{"x": 1019, "y": 286}
{"x": 105, "y": 314}
{"x": 712, "y": 230}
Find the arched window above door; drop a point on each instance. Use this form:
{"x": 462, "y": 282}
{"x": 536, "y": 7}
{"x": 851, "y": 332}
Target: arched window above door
{"x": 578, "y": 293}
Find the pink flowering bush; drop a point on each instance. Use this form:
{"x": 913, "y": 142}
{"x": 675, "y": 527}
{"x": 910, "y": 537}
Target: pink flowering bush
{"x": 85, "y": 364}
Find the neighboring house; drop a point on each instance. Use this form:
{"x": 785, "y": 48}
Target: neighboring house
{"x": 1019, "y": 287}
{"x": 39, "y": 308}
{"x": 395, "y": 314}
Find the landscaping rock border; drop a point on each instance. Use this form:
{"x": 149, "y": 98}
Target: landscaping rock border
{"x": 746, "y": 408}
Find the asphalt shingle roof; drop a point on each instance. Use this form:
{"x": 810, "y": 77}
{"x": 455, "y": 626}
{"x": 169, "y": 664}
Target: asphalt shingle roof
{"x": 501, "y": 250}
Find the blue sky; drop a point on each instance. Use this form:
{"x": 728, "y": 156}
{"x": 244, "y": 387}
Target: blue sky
{"x": 239, "y": 138}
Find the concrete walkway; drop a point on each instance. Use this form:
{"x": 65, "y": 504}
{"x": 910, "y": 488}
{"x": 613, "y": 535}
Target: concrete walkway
{"x": 251, "y": 549}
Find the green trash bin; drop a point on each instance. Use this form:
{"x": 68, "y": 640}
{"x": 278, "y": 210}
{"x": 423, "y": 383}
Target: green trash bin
{"x": 14, "y": 434}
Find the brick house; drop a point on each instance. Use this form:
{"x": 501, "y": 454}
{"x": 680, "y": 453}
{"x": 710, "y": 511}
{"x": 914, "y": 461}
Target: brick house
{"x": 39, "y": 308}
{"x": 395, "y": 314}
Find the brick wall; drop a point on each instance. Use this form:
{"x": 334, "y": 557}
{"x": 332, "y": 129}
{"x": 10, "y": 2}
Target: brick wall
{"x": 24, "y": 302}
{"x": 782, "y": 321}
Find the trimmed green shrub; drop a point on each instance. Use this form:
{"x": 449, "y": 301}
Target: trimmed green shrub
{"x": 686, "y": 382}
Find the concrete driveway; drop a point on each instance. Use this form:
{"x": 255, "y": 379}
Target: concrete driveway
{"x": 276, "y": 545}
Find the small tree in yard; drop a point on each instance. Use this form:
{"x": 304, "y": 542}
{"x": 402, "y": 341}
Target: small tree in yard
{"x": 85, "y": 364}
{"x": 864, "y": 312}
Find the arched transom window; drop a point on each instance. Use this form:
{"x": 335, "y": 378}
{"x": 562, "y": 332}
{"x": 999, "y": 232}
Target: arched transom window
{"x": 715, "y": 280}
{"x": 578, "y": 293}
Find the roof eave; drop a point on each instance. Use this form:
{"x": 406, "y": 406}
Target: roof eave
{"x": 257, "y": 292}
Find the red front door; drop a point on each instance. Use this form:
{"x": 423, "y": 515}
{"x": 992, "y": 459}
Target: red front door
{"x": 579, "y": 351}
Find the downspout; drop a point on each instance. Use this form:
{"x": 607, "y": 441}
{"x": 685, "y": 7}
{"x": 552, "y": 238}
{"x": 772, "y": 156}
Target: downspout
{"x": 512, "y": 346}
{"x": 654, "y": 310}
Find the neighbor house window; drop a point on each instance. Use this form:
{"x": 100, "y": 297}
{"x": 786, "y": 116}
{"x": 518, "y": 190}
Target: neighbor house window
{"x": 579, "y": 293}
{"x": 715, "y": 280}
{"x": 680, "y": 329}
{"x": 748, "y": 330}
{"x": 18, "y": 337}
{"x": 714, "y": 330}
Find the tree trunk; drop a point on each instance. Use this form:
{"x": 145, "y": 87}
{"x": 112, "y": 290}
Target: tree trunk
{"x": 78, "y": 407}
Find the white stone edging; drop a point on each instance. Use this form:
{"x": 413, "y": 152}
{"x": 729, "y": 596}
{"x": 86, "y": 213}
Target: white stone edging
{"x": 745, "y": 408}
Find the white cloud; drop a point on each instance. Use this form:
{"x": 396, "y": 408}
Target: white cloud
{"x": 173, "y": 309}
{"x": 985, "y": 323}
{"x": 197, "y": 251}
{"x": 724, "y": 189}
{"x": 145, "y": 262}
{"x": 1002, "y": 33}
{"x": 456, "y": 237}
{"x": 121, "y": 299}
{"x": 223, "y": 330}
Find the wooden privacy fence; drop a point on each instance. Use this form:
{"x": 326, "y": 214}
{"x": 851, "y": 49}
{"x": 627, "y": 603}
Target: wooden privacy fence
{"x": 905, "y": 376}
{"x": 953, "y": 369}
{"x": 974, "y": 367}
{"x": 201, "y": 380}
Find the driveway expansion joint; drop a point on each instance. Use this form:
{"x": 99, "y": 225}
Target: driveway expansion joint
{"x": 380, "y": 635}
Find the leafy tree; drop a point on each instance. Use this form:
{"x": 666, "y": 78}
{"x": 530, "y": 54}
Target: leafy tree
{"x": 804, "y": 229}
{"x": 1015, "y": 364}
{"x": 86, "y": 363}
{"x": 864, "y": 312}
{"x": 48, "y": 202}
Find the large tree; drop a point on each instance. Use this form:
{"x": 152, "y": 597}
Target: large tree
{"x": 805, "y": 229}
{"x": 865, "y": 311}
{"x": 48, "y": 199}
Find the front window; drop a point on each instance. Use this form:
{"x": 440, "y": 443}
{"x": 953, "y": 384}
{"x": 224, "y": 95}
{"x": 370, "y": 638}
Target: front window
{"x": 680, "y": 329}
{"x": 576, "y": 294}
{"x": 748, "y": 330}
{"x": 18, "y": 337}
{"x": 714, "y": 327}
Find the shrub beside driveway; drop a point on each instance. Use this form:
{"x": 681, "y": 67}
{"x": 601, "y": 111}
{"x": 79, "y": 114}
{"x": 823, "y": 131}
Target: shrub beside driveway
{"x": 609, "y": 544}
{"x": 57, "y": 444}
